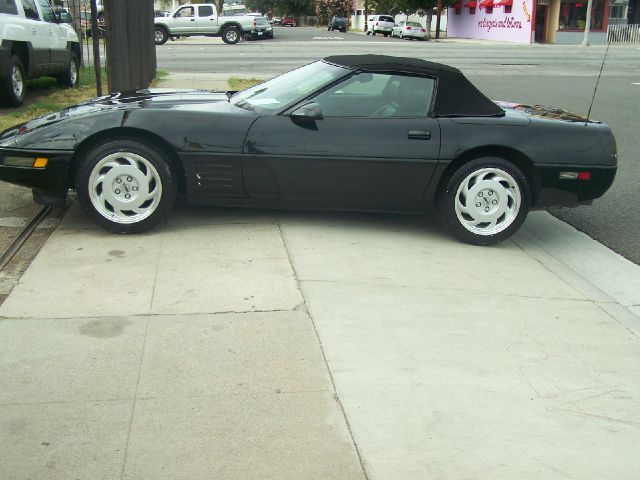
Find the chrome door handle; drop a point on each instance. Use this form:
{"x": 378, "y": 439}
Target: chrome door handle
{"x": 419, "y": 134}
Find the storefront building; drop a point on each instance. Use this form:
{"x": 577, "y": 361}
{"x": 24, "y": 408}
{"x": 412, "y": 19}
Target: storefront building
{"x": 543, "y": 21}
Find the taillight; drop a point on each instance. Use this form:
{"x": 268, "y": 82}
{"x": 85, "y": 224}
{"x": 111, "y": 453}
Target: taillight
{"x": 254, "y": 23}
{"x": 422, "y": 29}
{"x": 408, "y": 28}
{"x": 377, "y": 24}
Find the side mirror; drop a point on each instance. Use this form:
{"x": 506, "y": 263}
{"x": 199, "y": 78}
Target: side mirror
{"x": 307, "y": 113}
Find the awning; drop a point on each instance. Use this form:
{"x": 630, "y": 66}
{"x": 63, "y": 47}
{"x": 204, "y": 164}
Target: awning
{"x": 471, "y": 4}
{"x": 502, "y": 3}
{"x": 486, "y": 3}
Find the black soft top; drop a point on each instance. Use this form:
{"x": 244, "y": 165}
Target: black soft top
{"x": 456, "y": 96}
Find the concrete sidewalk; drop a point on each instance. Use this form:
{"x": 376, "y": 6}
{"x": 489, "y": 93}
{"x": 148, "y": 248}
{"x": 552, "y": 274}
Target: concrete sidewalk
{"x": 242, "y": 344}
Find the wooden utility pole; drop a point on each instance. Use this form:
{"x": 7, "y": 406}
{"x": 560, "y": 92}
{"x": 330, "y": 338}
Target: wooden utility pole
{"x": 131, "y": 51}
{"x": 439, "y": 14}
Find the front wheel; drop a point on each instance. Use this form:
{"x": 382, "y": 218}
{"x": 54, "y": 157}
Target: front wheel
{"x": 231, "y": 35}
{"x": 485, "y": 201}
{"x": 13, "y": 86}
{"x": 126, "y": 186}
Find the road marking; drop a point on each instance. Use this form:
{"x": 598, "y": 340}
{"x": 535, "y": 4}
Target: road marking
{"x": 635, "y": 84}
{"x": 328, "y": 38}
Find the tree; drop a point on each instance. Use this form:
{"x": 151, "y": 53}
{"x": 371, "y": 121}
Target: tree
{"x": 262, "y": 6}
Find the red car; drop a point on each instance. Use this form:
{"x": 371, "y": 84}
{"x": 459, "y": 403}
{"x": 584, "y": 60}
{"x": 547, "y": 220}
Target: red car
{"x": 288, "y": 22}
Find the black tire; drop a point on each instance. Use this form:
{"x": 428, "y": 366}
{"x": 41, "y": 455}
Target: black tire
{"x": 490, "y": 180}
{"x": 71, "y": 76}
{"x": 373, "y": 32}
{"x": 161, "y": 35}
{"x": 329, "y": 29}
{"x": 231, "y": 35}
{"x": 385, "y": 35}
{"x": 14, "y": 87}
{"x": 143, "y": 169}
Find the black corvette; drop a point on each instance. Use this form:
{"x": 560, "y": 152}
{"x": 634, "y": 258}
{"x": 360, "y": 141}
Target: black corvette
{"x": 361, "y": 132}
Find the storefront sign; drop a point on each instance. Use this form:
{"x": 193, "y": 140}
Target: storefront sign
{"x": 497, "y": 23}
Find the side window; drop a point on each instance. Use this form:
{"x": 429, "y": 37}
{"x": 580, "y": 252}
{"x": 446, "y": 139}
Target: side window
{"x": 30, "y": 10}
{"x": 378, "y": 95}
{"x": 8, "y": 6}
{"x": 205, "y": 11}
{"x": 185, "y": 12}
{"x": 48, "y": 15}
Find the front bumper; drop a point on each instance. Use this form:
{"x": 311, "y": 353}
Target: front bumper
{"x": 51, "y": 182}
{"x": 557, "y": 192}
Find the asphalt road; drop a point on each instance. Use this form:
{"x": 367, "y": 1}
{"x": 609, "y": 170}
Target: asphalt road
{"x": 562, "y": 76}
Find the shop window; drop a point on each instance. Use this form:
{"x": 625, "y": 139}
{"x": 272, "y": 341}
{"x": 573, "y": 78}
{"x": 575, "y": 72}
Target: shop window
{"x": 573, "y": 14}
{"x": 458, "y": 7}
{"x": 507, "y": 8}
{"x": 471, "y": 6}
{"x": 487, "y": 5}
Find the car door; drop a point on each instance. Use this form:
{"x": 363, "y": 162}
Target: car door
{"x": 184, "y": 21}
{"x": 38, "y": 37}
{"x": 57, "y": 41}
{"x": 205, "y": 19}
{"x": 374, "y": 147}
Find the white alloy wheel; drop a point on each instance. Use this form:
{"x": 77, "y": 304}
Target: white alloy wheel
{"x": 73, "y": 72}
{"x": 488, "y": 201}
{"x": 125, "y": 188}
{"x": 17, "y": 81}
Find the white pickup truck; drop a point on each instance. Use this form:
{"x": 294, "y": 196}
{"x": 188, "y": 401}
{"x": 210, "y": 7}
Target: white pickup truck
{"x": 202, "y": 19}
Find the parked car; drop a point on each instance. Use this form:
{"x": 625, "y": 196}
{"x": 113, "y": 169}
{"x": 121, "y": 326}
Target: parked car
{"x": 288, "y": 22}
{"x": 337, "y": 23}
{"x": 262, "y": 29}
{"x": 34, "y": 42}
{"x": 85, "y": 24}
{"x": 276, "y": 20}
{"x": 380, "y": 24}
{"x": 351, "y": 132}
{"x": 202, "y": 19}
{"x": 409, "y": 30}
{"x": 161, "y": 13}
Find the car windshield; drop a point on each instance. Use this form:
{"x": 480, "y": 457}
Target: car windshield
{"x": 261, "y": 21}
{"x": 289, "y": 88}
{"x": 387, "y": 19}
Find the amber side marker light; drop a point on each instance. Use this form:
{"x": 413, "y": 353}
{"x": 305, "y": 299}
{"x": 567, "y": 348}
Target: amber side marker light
{"x": 40, "y": 162}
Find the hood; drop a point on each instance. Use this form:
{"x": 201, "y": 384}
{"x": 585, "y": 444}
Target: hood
{"x": 146, "y": 98}
{"x": 542, "y": 112}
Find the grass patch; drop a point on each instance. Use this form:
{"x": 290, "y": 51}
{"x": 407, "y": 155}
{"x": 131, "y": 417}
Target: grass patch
{"x": 239, "y": 84}
{"x": 51, "y": 98}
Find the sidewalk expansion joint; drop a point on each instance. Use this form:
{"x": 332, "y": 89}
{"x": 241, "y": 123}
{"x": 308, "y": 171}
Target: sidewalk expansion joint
{"x": 324, "y": 356}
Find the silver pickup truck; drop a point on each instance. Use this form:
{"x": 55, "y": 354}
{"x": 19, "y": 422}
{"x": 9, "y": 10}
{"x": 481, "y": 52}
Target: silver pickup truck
{"x": 202, "y": 19}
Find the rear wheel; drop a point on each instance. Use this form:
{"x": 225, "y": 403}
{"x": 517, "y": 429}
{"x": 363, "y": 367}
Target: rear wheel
{"x": 126, "y": 186}
{"x": 485, "y": 201}
{"x": 71, "y": 77}
{"x": 160, "y": 36}
{"x": 13, "y": 86}
{"x": 231, "y": 35}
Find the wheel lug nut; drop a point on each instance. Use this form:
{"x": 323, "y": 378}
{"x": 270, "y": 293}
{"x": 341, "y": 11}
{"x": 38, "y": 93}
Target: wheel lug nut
{"x": 495, "y": 202}
{"x": 129, "y": 179}
{"x": 490, "y": 192}
{"x": 478, "y": 204}
{"x": 127, "y": 196}
{"x": 118, "y": 180}
{"x": 486, "y": 209}
{"x": 480, "y": 194}
{"x": 117, "y": 191}
{"x": 135, "y": 189}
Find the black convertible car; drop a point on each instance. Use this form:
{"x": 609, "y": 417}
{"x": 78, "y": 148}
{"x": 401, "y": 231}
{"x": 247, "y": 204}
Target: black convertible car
{"x": 357, "y": 132}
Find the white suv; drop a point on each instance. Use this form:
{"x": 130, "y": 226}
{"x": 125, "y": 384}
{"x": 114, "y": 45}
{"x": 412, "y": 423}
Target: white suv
{"x": 379, "y": 24}
{"x": 34, "y": 42}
